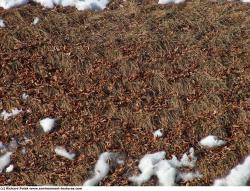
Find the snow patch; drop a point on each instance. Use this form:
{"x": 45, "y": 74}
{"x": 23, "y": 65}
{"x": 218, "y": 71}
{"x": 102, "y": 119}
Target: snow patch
{"x": 158, "y": 133}
{"x": 46, "y": 3}
{"x": 5, "y": 160}
{"x": 96, "y": 5}
{"x": 35, "y": 21}
{"x": 102, "y": 168}
{"x": 238, "y": 176}
{"x": 162, "y": 2}
{"x": 23, "y": 151}
{"x": 62, "y": 152}
{"x": 10, "y": 168}
{"x": 167, "y": 171}
{"x": 146, "y": 166}
{"x": 245, "y": 1}
{"x": 48, "y": 124}
{"x": 5, "y": 115}
{"x": 1, "y": 145}
{"x": 12, "y": 146}
{"x": 189, "y": 176}
{"x": 189, "y": 159}
{"x": 25, "y": 96}
{"x": 7, "y": 4}
{"x": 79, "y": 4}
{"x": 212, "y": 141}
{"x": 2, "y": 25}
{"x": 3, "y": 148}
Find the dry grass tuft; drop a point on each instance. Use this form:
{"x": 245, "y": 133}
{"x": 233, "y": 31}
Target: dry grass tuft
{"x": 113, "y": 77}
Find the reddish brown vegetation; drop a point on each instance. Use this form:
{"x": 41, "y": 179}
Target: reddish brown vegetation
{"x": 113, "y": 77}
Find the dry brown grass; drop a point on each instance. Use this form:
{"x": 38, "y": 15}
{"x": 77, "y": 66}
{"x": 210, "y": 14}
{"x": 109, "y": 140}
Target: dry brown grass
{"x": 113, "y": 77}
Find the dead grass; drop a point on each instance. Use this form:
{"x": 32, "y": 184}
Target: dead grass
{"x": 113, "y": 77}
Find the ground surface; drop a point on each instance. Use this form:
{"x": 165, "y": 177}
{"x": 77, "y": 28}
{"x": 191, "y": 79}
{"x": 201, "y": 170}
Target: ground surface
{"x": 113, "y": 77}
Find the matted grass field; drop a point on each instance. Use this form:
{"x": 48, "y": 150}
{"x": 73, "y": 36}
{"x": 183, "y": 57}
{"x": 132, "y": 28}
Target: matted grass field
{"x": 113, "y": 77}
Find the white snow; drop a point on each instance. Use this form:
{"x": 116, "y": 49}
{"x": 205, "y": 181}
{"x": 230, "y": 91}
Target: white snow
{"x": 5, "y": 160}
{"x": 7, "y": 4}
{"x": 24, "y": 95}
{"x": 7, "y": 115}
{"x": 3, "y": 148}
{"x": 119, "y": 161}
{"x": 65, "y": 3}
{"x": 79, "y": 4}
{"x": 238, "y": 176}
{"x": 102, "y": 168}
{"x": 2, "y": 25}
{"x": 62, "y": 152}
{"x": 212, "y": 141}
{"x": 170, "y": 1}
{"x": 96, "y": 5}
{"x": 46, "y": 3}
{"x": 158, "y": 133}
{"x": 167, "y": 171}
{"x": 189, "y": 176}
{"x": 51, "y": 3}
{"x": 1, "y": 145}
{"x": 189, "y": 159}
{"x": 11, "y": 146}
{"x": 23, "y": 151}
{"x": 10, "y": 168}
{"x": 245, "y": 1}
{"x": 47, "y": 124}
{"x": 146, "y": 166}
{"x": 35, "y": 21}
